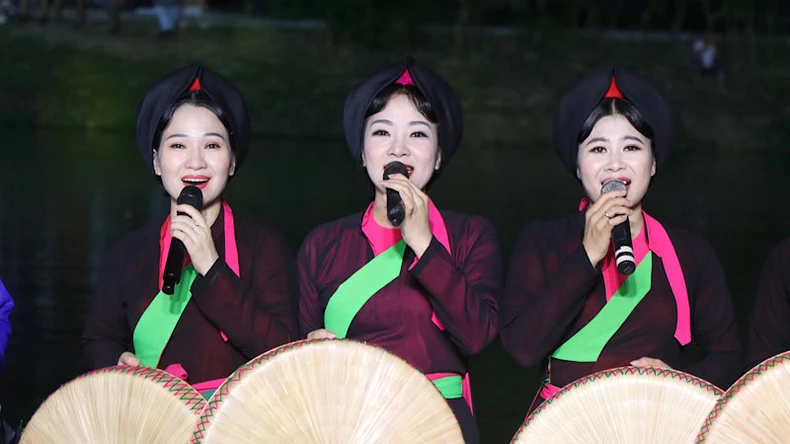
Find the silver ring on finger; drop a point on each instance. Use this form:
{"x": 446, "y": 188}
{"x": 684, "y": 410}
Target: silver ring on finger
{"x": 195, "y": 226}
{"x": 607, "y": 215}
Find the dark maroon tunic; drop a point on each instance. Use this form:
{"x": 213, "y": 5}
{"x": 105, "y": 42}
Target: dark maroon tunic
{"x": 463, "y": 290}
{"x": 552, "y": 291}
{"x": 769, "y": 325}
{"x": 257, "y": 312}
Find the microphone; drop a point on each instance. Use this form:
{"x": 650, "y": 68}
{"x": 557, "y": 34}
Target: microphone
{"x": 621, "y": 235}
{"x": 190, "y": 195}
{"x": 395, "y": 211}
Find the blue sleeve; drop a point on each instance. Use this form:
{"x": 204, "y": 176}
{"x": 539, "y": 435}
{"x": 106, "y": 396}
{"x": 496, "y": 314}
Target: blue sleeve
{"x": 6, "y": 305}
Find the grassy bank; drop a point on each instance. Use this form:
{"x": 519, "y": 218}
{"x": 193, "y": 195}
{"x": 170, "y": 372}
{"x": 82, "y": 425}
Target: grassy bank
{"x": 296, "y": 81}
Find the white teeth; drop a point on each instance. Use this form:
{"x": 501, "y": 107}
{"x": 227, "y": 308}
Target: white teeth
{"x": 195, "y": 180}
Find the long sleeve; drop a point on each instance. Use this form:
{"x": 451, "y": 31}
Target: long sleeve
{"x": 106, "y": 334}
{"x": 712, "y": 321}
{"x": 256, "y": 312}
{"x": 311, "y": 314}
{"x": 545, "y": 291}
{"x": 6, "y": 305}
{"x": 466, "y": 297}
{"x": 769, "y": 323}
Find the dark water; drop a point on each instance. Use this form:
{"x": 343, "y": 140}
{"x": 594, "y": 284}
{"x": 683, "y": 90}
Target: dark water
{"x": 66, "y": 197}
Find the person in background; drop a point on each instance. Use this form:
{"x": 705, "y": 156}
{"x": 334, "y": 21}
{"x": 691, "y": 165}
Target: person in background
{"x": 6, "y": 306}
{"x": 769, "y": 324}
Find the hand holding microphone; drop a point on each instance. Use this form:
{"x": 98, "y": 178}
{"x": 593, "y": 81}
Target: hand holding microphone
{"x": 407, "y": 208}
{"x": 191, "y": 235}
{"x": 609, "y": 214}
{"x": 192, "y": 196}
{"x": 621, "y": 234}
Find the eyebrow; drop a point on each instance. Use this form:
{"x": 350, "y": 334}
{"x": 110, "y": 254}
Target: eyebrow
{"x": 633, "y": 138}
{"x": 204, "y": 135}
{"x": 389, "y": 122}
{"x": 596, "y": 139}
{"x": 604, "y": 139}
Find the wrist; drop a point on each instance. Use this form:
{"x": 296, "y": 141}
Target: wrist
{"x": 594, "y": 259}
{"x": 204, "y": 269}
{"x": 420, "y": 245}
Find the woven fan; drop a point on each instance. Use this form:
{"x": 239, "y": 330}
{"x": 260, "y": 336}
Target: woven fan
{"x": 756, "y": 409}
{"x": 327, "y": 392}
{"x": 623, "y": 405}
{"x": 118, "y": 405}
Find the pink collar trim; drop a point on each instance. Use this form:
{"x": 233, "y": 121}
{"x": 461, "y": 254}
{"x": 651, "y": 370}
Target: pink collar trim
{"x": 381, "y": 238}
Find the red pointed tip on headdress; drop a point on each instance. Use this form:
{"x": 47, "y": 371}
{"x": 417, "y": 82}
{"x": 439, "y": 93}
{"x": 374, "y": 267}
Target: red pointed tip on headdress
{"x": 613, "y": 92}
{"x": 405, "y": 78}
{"x": 195, "y": 85}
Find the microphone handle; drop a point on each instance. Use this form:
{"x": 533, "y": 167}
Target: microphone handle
{"x": 173, "y": 267}
{"x": 623, "y": 248}
{"x": 395, "y": 211}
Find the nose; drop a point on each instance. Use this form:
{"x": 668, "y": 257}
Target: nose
{"x": 615, "y": 161}
{"x": 398, "y": 148}
{"x": 196, "y": 159}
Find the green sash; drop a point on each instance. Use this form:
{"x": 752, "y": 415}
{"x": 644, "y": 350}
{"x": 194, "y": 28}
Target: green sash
{"x": 451, "y": 387}
{"x": 352, "y": 294}
{"x": 355, "y": 292}
{"x": 156, "y": 325}
{"x": 586, "y": 345}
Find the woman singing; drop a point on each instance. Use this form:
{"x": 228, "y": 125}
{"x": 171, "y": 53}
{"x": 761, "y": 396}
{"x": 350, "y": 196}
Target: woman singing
{"x": 426, "y": 289}
{"x": 237, "y": 292}
{"x": 566, "y": 305}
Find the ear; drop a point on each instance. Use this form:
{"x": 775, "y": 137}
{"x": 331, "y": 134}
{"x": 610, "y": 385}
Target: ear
{"x": 438, "y": 160}
{"x": 232, "y": 169}
{"x": 578, "y": 173}
{"x": 157, "y": 164}
{"x": 653, "y": 168}
{"x": 364, "y": 162}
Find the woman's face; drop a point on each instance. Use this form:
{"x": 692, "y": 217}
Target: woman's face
{"x": 195, "y": 150}
{"x": 616, "y": 150}
{"x": 400, "y": 133}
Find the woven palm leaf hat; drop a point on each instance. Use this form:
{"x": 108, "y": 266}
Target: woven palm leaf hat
{"x": 328, "y": 391}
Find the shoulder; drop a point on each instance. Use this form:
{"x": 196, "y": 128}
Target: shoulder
{"x": 330, "y": 233}
{"x": 131, "y": 244}
{"x": 688, "y": 243}
{"x": 466, "y": 224}
{"x": 780, "y": 254}
{"x": 551, "y": 232}
{"x": 251, "y": 228}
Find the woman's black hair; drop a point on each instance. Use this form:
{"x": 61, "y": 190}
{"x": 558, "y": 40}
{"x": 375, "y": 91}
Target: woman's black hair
{"x": 611, "y": 107}
{"x": 415, "y": 96}
{"x": 197, "y": 98}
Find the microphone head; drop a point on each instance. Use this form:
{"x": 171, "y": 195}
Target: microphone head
{"x": 191, "y": 195}
{"x": 613, "y": 185}
{"x": 395, "y": 168}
